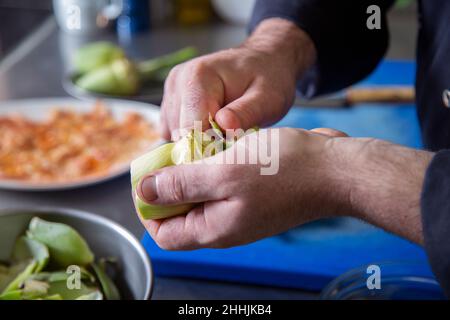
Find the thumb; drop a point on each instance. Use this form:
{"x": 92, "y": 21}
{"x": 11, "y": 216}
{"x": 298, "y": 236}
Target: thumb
{"x": 329, "y": 132}
{"x": 254, "y": 108}
{"x": 189, "y": 183}
{"x": 245, "y": 112}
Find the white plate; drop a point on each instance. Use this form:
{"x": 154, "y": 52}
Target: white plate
{"x": 38, "y": 109}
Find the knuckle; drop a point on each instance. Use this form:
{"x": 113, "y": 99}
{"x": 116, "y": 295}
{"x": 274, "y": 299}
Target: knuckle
{"x": 175, "y": 71}
{"x": 173, "y": 187}
{"x": 198, "y": 68}
{"x": 172, "y": 78}
{"x": 193, "y": 96}
{"x": 231, "y": 172}
{"x": 165, "y": 103}
{"x": 168, "y": 107}
{"x": 230, "y": 179}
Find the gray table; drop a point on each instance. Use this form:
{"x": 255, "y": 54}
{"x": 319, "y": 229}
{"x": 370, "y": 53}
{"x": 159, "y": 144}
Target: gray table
{"x": 35, "y": 69}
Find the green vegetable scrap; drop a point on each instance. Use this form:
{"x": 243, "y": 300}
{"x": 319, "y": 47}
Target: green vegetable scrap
{"x": 65, "y": 245}
{"x": 38, "y": 264}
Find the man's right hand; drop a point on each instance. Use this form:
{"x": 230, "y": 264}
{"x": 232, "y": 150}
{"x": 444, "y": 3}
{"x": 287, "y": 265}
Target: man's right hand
{"x": 251, "y": 85}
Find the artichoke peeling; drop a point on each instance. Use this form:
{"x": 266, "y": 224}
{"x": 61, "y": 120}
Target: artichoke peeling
{"x": 194, "y": 146}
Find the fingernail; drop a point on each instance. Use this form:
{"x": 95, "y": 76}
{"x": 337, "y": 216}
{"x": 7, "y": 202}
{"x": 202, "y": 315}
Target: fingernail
{"x": 148, "y": 189}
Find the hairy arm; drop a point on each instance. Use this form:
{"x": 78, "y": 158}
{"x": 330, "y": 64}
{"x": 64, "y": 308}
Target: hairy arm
{"x": 384, "y": 183}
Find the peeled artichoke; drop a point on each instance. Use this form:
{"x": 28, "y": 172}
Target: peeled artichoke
{"x": 190, "y": 148}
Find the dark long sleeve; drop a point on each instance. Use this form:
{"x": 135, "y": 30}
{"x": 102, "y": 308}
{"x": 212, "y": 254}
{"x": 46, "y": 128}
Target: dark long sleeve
{"x": 347, "y": 50}
{"x": 433, "y": 77}
{"x": 436, "y": 217}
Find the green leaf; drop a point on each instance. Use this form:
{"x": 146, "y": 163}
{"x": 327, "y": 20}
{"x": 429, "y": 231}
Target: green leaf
{"x": 11, "y": 295}
{"x": 108, "y": 287}
{"x": 61, "y": 288}
{"x": 53, "y": 297}
{"x": 7, "y": 274}
{"x": 96, "y": 295}
{"x": 26, "y": 249}
{"x": 62, "y": 276}
{"x": 33, "y": 289}
{"x": 21, "y": 277}
{"x": 64, "y": 243}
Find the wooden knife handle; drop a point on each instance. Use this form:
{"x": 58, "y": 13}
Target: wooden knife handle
{"x": 380, "y": 94}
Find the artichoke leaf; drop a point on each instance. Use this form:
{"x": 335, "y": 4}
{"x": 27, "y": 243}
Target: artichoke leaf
{"x": 11, "y": 295}
{"x": 27, "y": 248}
{"x": 65, "y": 244}
{"x": 21, "y": 276}
{"x": 61, "y": 288}
{"x": 108, "y": 287}
{"x": 96, "y": 295}
{"x": 53, "y": 297}
{"x": 33, "y": 289}
{"x": 62, "y": 276}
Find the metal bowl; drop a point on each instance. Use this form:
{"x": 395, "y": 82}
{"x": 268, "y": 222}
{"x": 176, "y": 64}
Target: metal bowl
{"x": 105, "y": 237}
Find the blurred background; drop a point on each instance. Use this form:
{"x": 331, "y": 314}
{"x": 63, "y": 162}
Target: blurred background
{"x": 20, "y": 17}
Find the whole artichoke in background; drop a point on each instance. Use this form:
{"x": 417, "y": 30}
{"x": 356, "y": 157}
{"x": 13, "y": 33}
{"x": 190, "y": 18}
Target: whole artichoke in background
{"x": 102, "y": 67}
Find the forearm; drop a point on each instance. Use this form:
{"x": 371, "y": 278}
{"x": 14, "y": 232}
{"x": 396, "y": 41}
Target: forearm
{"x": 283, "y": 40}
{"x": 383, "y": 183}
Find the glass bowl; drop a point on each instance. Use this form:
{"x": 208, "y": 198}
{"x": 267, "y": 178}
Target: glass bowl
{"x": 398, "y": 281}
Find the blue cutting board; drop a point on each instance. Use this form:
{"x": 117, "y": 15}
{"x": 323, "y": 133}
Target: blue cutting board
{"x": 310, "y": 256}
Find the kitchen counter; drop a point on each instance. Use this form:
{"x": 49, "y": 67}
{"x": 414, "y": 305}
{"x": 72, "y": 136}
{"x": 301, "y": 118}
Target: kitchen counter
{"x": 35, "y": 69}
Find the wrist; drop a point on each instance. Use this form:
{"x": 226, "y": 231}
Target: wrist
{"x": 381, "y": 183}
{"x": 285, "y": 41}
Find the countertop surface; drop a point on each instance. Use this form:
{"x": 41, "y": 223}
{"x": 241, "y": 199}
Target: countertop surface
{"x": 35, "y": 69}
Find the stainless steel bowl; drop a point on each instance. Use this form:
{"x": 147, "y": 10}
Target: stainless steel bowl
{"x": 105, "y": 237}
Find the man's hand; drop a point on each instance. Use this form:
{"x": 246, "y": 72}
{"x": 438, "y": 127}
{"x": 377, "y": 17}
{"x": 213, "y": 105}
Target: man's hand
{"x": 321, "y": 174}
{"x": 238, "y": 204}
{"x": 252, "y": 85}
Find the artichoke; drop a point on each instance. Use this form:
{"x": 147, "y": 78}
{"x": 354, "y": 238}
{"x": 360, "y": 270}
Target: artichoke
{"x": 96, "y": 55}
{"x": 104, "y": 68}
{"x": 194, "y": 146}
